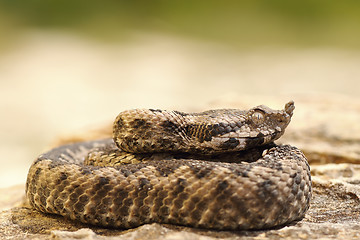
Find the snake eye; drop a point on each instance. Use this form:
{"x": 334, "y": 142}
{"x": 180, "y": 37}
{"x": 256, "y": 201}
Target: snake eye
{"x": 257, "y": 117}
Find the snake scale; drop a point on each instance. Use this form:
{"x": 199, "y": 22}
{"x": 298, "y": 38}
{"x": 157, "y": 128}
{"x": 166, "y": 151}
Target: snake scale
{"x": 218, "y": 169}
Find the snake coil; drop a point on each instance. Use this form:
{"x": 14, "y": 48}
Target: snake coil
{"x": 218, "y": 169}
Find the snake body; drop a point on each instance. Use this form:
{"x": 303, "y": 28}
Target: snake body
{"x": 217, "y": 169}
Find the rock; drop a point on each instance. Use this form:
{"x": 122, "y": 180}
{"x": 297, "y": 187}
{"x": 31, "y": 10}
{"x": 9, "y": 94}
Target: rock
{"x": 324, "y": 127}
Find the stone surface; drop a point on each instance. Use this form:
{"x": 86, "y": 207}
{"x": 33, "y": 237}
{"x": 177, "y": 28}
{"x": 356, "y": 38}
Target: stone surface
{"x": 326, "y": 128}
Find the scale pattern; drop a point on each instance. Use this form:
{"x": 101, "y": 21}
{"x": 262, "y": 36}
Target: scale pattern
{"x": 218, "y": 169}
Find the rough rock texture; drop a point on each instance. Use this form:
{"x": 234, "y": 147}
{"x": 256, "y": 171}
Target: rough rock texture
{"x": 326, "y": 128}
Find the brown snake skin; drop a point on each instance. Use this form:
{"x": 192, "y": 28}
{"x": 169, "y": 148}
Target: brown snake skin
{"x": 217, "y": 169}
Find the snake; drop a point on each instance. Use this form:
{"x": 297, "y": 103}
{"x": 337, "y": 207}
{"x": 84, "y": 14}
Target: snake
{"x": 218, "y": 169}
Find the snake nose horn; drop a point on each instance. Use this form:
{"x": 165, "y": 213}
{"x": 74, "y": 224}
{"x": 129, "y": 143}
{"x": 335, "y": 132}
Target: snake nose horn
{"x": 289, "y": 107}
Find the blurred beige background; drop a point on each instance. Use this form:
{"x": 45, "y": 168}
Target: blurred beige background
{"x": 65, "y": 68}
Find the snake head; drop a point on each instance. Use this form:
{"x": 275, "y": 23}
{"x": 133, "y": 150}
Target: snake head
{"x": 266, "y": 124}
{"x": 236, "y": 130}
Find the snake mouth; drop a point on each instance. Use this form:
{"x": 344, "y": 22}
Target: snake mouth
{"x": 262, "y": 139}
{"x": 267, "y": 136}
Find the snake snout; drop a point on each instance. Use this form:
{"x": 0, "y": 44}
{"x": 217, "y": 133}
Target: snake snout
{"x": 285, "y": 115}
{"x": 289, "y": 108}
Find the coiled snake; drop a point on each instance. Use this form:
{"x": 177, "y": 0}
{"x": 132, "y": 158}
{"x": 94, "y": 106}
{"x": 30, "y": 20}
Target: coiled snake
{"x": 217, "y": 169}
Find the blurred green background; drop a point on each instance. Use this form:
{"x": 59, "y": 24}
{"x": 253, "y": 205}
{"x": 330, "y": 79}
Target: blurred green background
{"x": 236, "y": 23}
{"x": 68, "y": 66}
